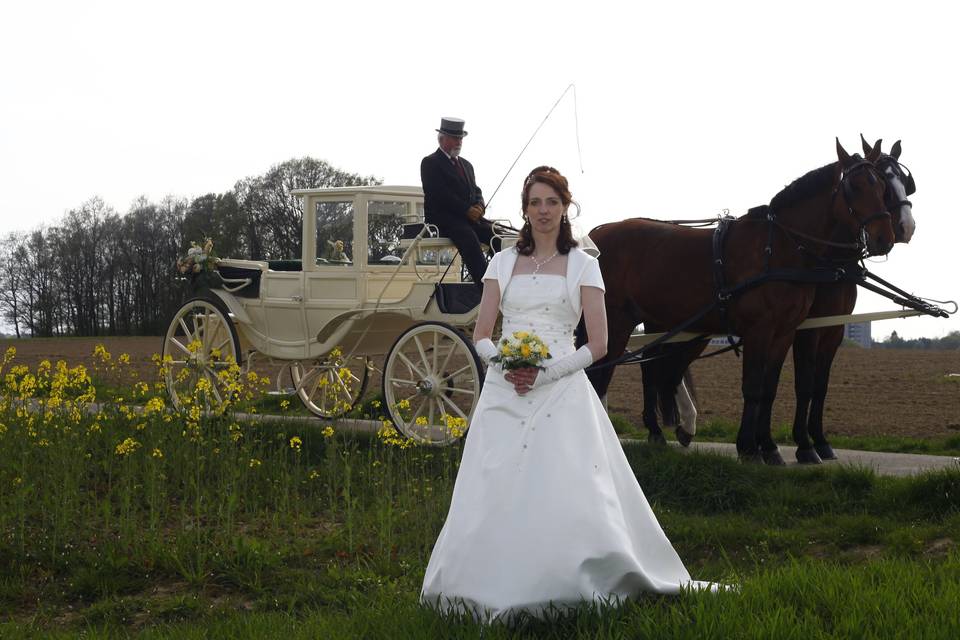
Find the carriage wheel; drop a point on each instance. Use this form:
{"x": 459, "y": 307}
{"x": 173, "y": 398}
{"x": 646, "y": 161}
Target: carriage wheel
{"x": 201, "y": 343}
{"x": 431, "y": 383}
{"x": 329, "y": 387}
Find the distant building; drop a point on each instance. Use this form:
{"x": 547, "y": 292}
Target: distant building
{"x": 859, "y": 332}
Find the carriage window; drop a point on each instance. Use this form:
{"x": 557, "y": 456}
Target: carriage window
{"x": 436, "y": 255}
{"x": 335, "y": 233}
{"x": 384, "y": 229}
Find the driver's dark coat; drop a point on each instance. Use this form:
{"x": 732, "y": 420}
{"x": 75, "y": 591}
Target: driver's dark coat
{"x": 447, "y": 196}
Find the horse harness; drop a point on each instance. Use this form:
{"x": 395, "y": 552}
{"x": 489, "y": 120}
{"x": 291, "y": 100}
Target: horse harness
{"x": 826, "y": 272}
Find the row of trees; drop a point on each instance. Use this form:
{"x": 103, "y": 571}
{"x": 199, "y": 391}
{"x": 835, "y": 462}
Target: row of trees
{"x": 98, "y": 272}
{"x": 951, "y": 341}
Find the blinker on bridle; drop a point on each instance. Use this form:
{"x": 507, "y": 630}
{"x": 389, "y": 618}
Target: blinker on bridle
{"x": 860, "y": 165}
{"x": 906, "y": 178}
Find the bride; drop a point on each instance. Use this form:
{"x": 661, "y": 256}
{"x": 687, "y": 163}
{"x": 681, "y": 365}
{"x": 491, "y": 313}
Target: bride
{"x": 546, "y": 510}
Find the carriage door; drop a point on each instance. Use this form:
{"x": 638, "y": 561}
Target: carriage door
{"x": 331, "y": 285}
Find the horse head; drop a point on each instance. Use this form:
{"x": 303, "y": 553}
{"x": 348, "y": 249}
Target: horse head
{"x": 859, "y": 200}
{"x": 900, "y": 184}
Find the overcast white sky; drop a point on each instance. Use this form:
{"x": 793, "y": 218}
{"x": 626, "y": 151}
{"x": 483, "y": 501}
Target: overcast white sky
{"x": 685, "y": 108}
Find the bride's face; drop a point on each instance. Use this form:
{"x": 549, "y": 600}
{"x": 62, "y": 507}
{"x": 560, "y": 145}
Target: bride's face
{"x": 544, "y": 208}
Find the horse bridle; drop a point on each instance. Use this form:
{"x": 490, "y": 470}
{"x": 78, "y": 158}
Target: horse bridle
{"x": 847, "y": 190}
{"x": 906, "y": 177}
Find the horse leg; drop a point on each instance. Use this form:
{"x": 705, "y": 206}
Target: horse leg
{"x": 804, "y": 366}
{"x": 771, "y": 379}
{"x": 833, "y": 338}
{"x": 652, "y": 375}
{"x": 752, "y": 388}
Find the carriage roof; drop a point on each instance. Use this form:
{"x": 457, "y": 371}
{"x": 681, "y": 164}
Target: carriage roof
{"x": 378, "y": 190}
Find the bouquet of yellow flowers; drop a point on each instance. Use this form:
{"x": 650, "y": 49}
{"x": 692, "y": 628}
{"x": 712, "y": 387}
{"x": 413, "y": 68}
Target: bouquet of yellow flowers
{"x": 520, "y": 350}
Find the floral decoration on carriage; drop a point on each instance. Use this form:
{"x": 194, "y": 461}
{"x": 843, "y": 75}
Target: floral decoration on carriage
{"x": 199, "y": 258}
{"x": 199, "y": 266}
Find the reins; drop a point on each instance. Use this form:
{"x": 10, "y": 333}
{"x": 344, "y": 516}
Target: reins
{"x": 829, "y": 271}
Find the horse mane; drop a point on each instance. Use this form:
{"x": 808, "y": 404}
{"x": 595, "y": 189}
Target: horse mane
{"x": 804, "y": 187}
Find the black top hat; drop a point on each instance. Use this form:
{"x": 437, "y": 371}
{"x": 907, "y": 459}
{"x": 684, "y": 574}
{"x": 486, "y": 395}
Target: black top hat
{"x": 452, "y": 127}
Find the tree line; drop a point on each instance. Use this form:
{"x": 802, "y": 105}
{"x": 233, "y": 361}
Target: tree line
{"x": 951, "y": 341}
{"x": 99, "y": 272}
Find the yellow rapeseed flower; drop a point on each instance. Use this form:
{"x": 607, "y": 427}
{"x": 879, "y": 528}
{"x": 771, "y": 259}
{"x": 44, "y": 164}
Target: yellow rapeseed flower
{"x": 328, "y": 432}
{"x": 156, "y": 453}
{"x": 154, "y": 405}
{"x": 127, "y": 447}
{"x": 296, "y": 443}
{"x": 254, "y": 463}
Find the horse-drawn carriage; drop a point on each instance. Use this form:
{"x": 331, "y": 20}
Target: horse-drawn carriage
{"x": 373, "y": 280}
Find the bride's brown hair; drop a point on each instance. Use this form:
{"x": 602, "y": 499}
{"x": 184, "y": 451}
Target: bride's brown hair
{"x": 553, "y": 179}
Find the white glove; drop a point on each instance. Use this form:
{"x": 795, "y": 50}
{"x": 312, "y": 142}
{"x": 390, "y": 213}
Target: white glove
{"x": 579, "y": 359}
{"x": 486, "y": 350}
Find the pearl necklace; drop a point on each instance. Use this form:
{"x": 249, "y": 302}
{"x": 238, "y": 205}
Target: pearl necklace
{"x": 540, "y": 264}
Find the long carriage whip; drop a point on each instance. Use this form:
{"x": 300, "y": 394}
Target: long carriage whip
{"x": 576, "y": 121}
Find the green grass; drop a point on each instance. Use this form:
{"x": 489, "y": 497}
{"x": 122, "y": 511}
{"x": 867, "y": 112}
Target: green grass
{"x": 801, "y": 599}
{"x": 719, "y": 430}
{"x": 281, "y": 530}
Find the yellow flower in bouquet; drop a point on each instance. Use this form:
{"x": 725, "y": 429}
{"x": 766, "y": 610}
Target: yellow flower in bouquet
{"x": 521, "y": 349}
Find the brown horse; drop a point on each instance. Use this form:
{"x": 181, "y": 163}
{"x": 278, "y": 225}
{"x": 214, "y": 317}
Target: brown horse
{"x": 662, "y": 275}
{"x": 815, "y": 349}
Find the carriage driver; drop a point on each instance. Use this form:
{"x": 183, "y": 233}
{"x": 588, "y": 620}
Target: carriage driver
{"x": 453, "y": 201}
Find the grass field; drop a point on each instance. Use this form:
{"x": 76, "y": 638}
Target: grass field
{"x": 185, "y": 525}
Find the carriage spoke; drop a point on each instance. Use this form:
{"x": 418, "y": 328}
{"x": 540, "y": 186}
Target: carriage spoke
{"x": 212, "y": 379}
{"x": 458, "y": 371}
{"x": 430, "y": 417}
{"x": 436, "y": 348}
{"x": 416, "y": 414}
{"x": 413, "y": 367}
{"x": 409, "y": 398}
{"x": 401, "y": 381}
{"x": 222, "y": 343}
{"x": 323, "y": 392}
{"x": 186, "y": 331}
{"x": 454, "y": 406}
{"x": 423, "y": 355}
{"x": 343, "y": 385}
{"x": 204, "y": 330}
{"x": 446, "y": 361}
{"x": 458, "y": 390}
{"x": 316, "y": 384}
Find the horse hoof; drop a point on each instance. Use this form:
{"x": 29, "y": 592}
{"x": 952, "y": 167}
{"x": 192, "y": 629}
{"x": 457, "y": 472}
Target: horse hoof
{"x": 657, "y": 438}
{"x": 773, "y": 458}
{"x": 825, "y": 451}
{"x": 808, "y": 456}
{"x": 750, "y": 458}
{"x": 683, "y": 437}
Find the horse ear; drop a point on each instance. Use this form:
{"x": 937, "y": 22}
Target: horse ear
{"x": 895, "y": 150}
{"x": 874, "y": 154}
{"x": 842, "y": 154}
{"x": 866, "y": 145}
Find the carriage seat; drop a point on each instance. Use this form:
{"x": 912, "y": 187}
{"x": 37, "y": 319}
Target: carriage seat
{"x": 456, "y": 297}
{"x": 431, "y": 240}
{"x": 285, "y": 265}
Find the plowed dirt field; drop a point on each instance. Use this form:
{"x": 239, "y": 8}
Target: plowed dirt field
{"x": 872, "y": 391}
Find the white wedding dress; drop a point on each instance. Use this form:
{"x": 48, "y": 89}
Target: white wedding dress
{"x": 546, "y": 510}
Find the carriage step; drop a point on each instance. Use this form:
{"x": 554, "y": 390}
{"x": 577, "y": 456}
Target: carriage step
{"x": 286, "y": 391}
